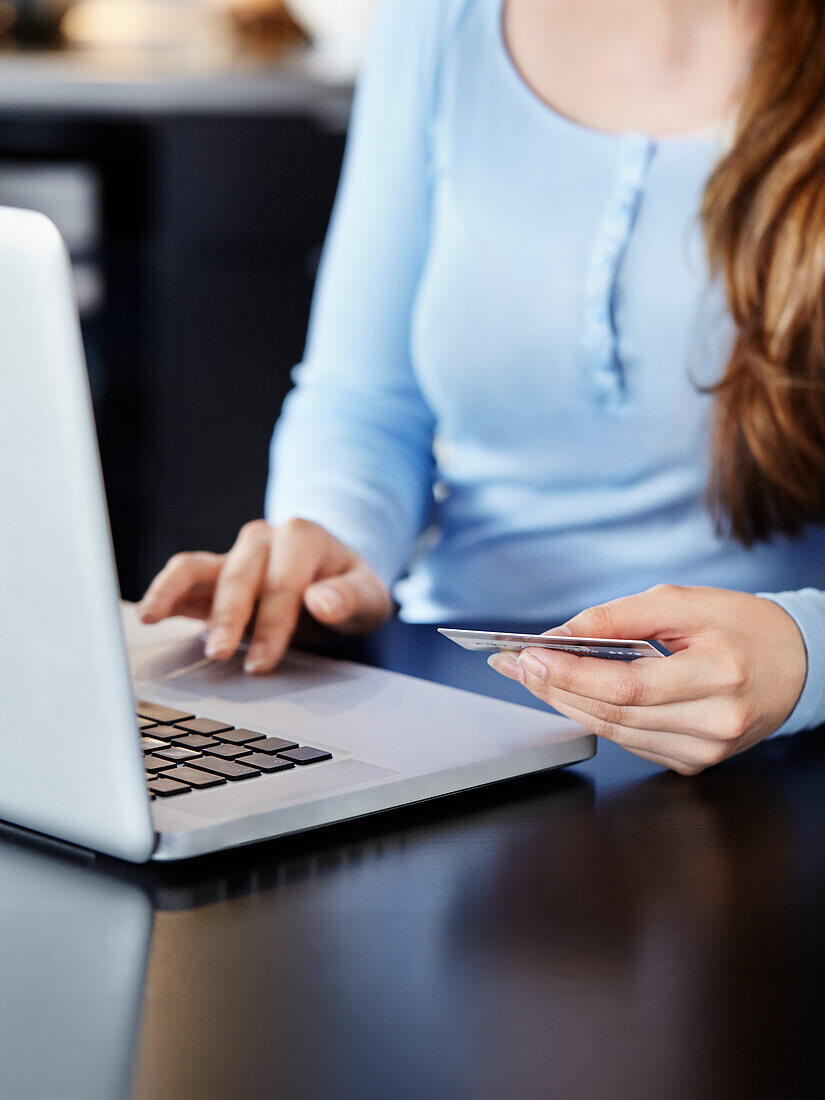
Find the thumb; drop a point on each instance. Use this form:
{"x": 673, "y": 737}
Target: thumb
{"x": 666, "y": 611}
{"x": 352, "y": 602}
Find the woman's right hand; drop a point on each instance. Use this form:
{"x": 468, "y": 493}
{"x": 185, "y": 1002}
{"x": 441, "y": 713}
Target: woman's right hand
{"x": 278, "y": 570}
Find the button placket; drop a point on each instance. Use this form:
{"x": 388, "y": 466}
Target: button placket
{"x": 606, "y": 370}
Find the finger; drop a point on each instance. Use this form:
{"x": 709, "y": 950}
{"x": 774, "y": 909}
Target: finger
{"x": 275, "y": 624}
{"x": 197, "y": 603}
{"x": 236, "y": 591}
{"x": 294, "y": 559}
{"x": 195, "y": 606}
{"x": 714, "y": 719}
{"x": 687, "y": 755}
{"x": 353, "y": 602}
{"x": 583, "y": 711}
{"x": 649, "y": 681}
{"x": 666, "y": 611}
{"x": 181, "y": 575}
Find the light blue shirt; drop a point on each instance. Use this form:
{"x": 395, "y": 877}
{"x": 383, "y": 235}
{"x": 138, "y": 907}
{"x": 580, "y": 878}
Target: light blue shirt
{"x": 511, "y": 328}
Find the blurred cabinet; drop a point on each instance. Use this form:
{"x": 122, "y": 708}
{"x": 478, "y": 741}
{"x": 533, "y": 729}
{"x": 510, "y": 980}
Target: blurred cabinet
{"x": 210, "y": 227}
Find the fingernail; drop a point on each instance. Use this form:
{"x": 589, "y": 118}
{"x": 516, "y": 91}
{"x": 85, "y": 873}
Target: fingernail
{"x": 217, "y": 641}
{"x": 505, "y": 664}
{"x": 255, "y": 660}
{"x": 327, "y": 598}
{"x": 532, "y": 666}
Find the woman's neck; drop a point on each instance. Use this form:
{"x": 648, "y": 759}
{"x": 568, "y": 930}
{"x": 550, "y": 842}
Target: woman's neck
{"x": 660, "y": 66}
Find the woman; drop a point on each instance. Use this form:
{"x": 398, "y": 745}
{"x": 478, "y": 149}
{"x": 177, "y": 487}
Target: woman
{"x": 571, "y": 315}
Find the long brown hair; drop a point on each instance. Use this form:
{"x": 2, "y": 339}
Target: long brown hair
{"x": 764, "y": 222}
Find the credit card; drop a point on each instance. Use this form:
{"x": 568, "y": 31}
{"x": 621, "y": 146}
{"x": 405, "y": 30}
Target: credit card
{"x": 610, "y": 649}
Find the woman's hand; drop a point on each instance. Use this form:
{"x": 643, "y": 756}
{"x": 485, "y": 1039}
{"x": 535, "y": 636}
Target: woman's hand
{"x": 279, "y": 570}
{"x": 737, "y": 669}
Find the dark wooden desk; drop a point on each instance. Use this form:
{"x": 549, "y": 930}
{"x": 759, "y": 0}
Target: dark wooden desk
{"x": 610, "y": 931}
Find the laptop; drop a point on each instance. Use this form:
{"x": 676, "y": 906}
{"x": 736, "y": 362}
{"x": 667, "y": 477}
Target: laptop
{"x": 123, "y": 738}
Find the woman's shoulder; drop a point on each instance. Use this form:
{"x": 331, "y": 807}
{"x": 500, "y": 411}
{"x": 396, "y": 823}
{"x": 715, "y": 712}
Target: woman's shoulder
{"x": 410, "y": 39}
{"x": 427, "y": 21}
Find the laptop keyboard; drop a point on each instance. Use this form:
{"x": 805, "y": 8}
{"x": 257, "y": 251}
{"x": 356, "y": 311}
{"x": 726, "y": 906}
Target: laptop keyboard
{"x": 183, "y": 753}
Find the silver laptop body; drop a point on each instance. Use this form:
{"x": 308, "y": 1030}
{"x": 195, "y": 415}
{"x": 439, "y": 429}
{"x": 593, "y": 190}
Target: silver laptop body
{"x": 71, "y": 763}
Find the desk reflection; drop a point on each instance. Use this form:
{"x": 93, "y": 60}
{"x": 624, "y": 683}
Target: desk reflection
{"x": 651, "y": 942}
{"x": 73, "y": 951}
{"x": 526, "y": 940}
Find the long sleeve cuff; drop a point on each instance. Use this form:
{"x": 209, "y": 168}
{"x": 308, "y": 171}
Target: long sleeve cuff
{"x": 807, "y": 608}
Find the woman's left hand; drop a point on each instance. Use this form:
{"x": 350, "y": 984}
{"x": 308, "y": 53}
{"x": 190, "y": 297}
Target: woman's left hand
{"x": 736, "y": 670}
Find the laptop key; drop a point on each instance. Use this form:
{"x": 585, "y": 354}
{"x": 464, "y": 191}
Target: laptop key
{"x": 274, "y": 744}
{"x": 227, "y": 768}
{"x": 149, "y": 743}
{"x": 166, "y": 787}
{"x": 227, "y": 752}
{"x": 240, "y": 736}
{"x": 202, "y": 725}
{"x": 159, "y": 713}
{"x": 177, "y": 753}
{"x": 155, "y": 764}
{"x": 266, "y": 763}
{"x": 163, "y": 733}
{"x": 188, "y": 775}
{"x": 194, "y": 741}
{"x": 305, "y": 755}
{"x": 146, "y": 723}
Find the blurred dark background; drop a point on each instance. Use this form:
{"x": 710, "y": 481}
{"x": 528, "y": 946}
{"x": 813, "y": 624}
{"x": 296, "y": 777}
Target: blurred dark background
{"x": 189, "y": 150}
